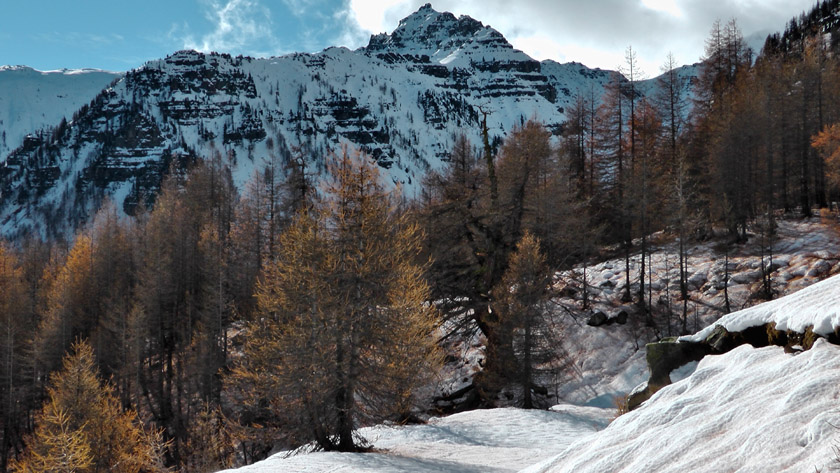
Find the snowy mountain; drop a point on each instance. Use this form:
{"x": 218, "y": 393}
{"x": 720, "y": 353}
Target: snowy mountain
{"x": 31, "y": 100}
{"x": 401, "y": 99}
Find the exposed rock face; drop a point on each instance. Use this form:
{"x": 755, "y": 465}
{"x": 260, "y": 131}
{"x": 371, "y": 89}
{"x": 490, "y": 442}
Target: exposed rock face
{"x": 669, "y": 354}
{"x": 662, "y": 358}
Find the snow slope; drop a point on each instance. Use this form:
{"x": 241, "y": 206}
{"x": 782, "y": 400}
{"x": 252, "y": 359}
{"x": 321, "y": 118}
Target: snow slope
{"x": 749, "y": 410}
{"x": 610, "y": 360}
{"x": 32, "y": 100}
{"x": 482, "y": 441}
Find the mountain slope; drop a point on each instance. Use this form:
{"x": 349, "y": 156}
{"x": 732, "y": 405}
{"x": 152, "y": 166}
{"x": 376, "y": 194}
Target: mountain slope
{"x": 33, "y": 100}
{"x": 402, "y": 99}
{"x": 748, "y": 410}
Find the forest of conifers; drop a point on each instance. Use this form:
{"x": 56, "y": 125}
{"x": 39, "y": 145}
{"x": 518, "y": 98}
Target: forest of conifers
{"x": 222, "y": 323}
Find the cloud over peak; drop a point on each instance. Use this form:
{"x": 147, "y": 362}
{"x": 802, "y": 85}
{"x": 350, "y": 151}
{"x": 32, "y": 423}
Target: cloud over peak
{"x": 239, "y": 26}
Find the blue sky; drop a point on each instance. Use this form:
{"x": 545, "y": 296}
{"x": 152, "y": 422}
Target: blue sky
{"x": 120, "y": 34}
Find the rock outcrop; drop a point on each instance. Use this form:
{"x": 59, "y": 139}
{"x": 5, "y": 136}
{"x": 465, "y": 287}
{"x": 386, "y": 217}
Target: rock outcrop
{"x": 665, "y": 356}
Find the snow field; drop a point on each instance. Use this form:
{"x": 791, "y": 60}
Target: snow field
{"x": 816, "y": 306}
{"x": 749, "y": 410}
{"x": 32, "y": 100}
{"x": 491, "y": 441}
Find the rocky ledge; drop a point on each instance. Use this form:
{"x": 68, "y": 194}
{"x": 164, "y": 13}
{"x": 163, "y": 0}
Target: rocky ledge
{"x": 665, "y": 356}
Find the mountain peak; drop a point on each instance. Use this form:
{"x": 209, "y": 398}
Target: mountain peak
{"x": 428, "y": 32}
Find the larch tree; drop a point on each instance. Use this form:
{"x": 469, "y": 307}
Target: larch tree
{"x": 644, "y": 190}
{"x": 59, "y": 448}
{"x": 345, "y": 332}
{"x": 82, "y": 427}
{"x": 459, "y": 234}
{"x": 15, "y": 327}
{"x": 68, "y": 311}
{"x": 671, "y": 109}
{"x": 88, "y": 298}
{"x": 176, "y": 302}
{"x": 522, "y": 314}
{"x": 269, "y": 202}
{"x": 613, "y": 138}
{"x": 827, "y": 143}
{"x": 574, "y": 144}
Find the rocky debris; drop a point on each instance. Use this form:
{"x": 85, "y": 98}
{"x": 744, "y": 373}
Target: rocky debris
{"x": 598, "y": 319}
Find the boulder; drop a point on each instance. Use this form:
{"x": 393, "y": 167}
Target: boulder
{"x": 621, "y": 317}
{"x": 820, "y": 268}
{"x": 607, "y": 284}
{"x": 662, "y": 358}
{"x": 597, "y": 319}
{"x": 719, "y": 340}
{"x": 746, "y": 277}
{"x": 667, "y": 355}
{"x": 696, "y": 281}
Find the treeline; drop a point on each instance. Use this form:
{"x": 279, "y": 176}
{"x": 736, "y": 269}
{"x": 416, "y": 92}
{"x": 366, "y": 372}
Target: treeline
{"x": 752, "y": 142}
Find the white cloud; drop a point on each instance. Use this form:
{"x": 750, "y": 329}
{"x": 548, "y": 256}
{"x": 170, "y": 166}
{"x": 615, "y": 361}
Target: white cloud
{"x": 379, "y": 16}
{"x": 595, "y": 32}
{"x": 240, "y": 26}
{"x": 666, "y": 6}
{"x": 362, "y": 18}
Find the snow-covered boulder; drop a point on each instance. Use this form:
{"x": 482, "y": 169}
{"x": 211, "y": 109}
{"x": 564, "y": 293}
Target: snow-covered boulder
{"x": 816, "y": 307}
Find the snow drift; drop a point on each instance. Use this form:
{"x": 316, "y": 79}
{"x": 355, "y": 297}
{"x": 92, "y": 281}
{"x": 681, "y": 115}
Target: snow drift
{"x": 749, "y": 410}
{"x": 491, "y": 440}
